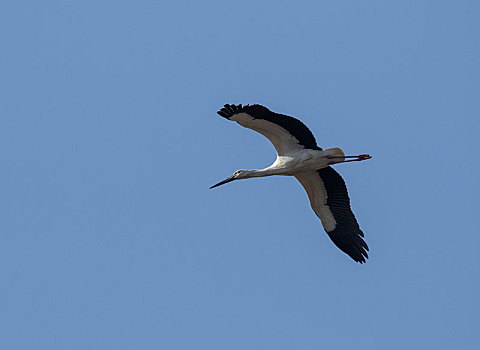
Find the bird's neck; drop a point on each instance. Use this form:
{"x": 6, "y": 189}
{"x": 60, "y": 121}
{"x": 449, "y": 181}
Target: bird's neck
{"x": 258, "y": 173}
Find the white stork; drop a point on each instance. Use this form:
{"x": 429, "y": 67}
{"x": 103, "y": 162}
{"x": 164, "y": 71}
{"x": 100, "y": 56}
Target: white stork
{"x": 298, "y": 155}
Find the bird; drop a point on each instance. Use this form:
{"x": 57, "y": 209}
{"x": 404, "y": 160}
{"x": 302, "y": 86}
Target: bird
{"x": 298, "y": 155}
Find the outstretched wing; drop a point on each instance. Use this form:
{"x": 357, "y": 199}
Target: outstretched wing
{"x": 286, "y": 133}
{"x": 329, "y": 200}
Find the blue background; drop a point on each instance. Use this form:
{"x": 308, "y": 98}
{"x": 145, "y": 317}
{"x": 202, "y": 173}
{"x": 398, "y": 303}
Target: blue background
{"x": 109, "y": 140}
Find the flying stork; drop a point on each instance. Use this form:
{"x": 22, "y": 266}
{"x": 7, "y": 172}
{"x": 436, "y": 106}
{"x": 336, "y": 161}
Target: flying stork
{"x": 298, "y": 155}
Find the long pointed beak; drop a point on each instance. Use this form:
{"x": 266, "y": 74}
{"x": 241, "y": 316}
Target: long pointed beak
{"x": 227, "y": 180}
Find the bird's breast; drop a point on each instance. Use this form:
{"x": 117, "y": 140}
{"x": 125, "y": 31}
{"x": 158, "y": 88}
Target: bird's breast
{"x": 300, "y": 161}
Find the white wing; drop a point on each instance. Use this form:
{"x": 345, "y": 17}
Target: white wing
{"x": 287, "y": 134}
{"x": 329, "y": 200}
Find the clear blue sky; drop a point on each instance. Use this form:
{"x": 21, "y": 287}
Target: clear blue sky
{"x": 109, "y": 140}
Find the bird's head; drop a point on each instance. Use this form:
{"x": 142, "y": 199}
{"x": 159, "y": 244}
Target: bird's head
{"x": 238, "y": 175}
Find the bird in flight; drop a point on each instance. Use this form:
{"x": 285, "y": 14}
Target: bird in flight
{"x": 298, "y": 155}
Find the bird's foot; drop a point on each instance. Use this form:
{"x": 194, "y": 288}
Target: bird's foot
{"x": 364, "y": 157}
{"x": 358, "y": 158}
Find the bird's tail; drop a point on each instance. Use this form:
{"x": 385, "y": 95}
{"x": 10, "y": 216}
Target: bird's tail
{"x": 336, "y": 153}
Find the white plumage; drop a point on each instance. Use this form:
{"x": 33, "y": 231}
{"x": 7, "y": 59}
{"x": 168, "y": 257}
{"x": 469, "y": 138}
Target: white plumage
{"x": 298, "y": 155}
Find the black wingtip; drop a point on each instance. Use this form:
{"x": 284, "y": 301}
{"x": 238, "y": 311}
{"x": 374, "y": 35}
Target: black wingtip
{"x": 349, "y": 240}
{"x": 229, "y": 110}
{"x": 356, "y": 249}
